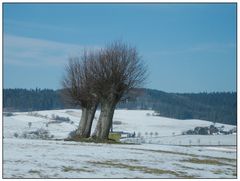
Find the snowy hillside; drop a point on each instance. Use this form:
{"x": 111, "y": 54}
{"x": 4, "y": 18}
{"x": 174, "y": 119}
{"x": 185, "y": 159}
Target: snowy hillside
{"x": 163, "y": 152}
{"x": 143, "y": 123}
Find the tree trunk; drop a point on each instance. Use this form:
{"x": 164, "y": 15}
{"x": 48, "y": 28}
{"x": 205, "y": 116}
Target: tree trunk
{"x": 85, "y": 124}
{"x": 82, "y": 123}
{"x": 90, "y": 117}
{"x": 105, "y": 120}
{"x": 97, "y": 129}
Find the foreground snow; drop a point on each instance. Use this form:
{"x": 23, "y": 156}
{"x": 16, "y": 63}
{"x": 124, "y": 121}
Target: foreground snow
{"x": 26, "y": 158}
{"x": 59, "y": 159}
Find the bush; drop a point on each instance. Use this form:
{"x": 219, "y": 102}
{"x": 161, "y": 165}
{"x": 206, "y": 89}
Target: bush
{"x": 38, "y": 134}
{"x": 63, "y": 119}
{"x": 117, "y": 122}
{"x": 233, "y": 130}
{"x": 8, "y": 114}
{"x": 188, "y": 132}
{"x": 15, "y": 135}
{"x": 29, "y": 124}
{"x": 36, "y": 114}
{"x": 72, "y": 134}
{"x": 53, "y": 116}
{"x": 148, "y": 114}
{"x": 59, "y": 119}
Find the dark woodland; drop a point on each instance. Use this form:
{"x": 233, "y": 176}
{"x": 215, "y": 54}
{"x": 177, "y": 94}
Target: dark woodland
{"x": 216, "y": 106}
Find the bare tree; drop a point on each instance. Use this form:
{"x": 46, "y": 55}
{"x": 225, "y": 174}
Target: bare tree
{"x": 77, "y": 90}
{"x": 117, "y": 70}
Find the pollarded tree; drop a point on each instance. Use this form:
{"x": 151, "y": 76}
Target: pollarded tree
{"x": 77, "y": 90}
{"x": 118, "y": 69}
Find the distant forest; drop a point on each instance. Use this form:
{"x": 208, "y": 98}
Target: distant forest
{"x": 216, "y": 107}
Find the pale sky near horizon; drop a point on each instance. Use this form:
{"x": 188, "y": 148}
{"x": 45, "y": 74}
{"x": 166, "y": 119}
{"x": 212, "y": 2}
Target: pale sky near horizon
{"x": 187, "y": 47}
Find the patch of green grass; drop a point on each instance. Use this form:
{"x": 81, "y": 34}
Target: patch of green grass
{"x": 188, "y": 177}
{"x": 167, "y": 152}
{"x": 132, "y": 160}
{"x": 93, "y": 140}
{"x": 232, "y": 172}
{"x": 186, "y": 167}
{"x": 226, "y": 159}
{"x": 34, "y": 172}
{"x": 188, "y": 154}
{"x": 114, "y": 136}
{"x": 71, "y": 169}
{"x": 20, "y": 161}
{"x": 14, "y": 177}
{"x": 143, "y": 169}
{"x": 204, "y": 161}
{"x": 218, "y": 171}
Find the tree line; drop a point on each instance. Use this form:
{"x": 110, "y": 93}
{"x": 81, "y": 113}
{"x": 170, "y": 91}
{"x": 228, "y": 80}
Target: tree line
{"x": 216, "y": 106}
{"x": 32, "y": 100}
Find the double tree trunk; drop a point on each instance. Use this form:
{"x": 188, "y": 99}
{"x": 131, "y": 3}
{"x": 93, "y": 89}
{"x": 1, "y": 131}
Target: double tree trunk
{"x": 105, "y": 121}
{"x": 85, "y": 124}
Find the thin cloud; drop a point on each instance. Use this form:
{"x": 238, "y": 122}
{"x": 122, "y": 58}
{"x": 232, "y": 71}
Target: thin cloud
{"x": 26, "y": 51}
{"x": 36, "y": 26}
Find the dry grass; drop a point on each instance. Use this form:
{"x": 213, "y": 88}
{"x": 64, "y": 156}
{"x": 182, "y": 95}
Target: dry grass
{"x": 191, "y": 155}
{"x": 230, "y": 172}
{"x": 71, "y": 169}
{"x": 93, "y": 140}
{"x": 204, "y": 161}
{"x": 143, "y": 169}
{"x": 34, "y": 171}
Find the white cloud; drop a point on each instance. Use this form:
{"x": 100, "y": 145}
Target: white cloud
{"x": 36, "y": 26}
{"x": 26, "y": 51}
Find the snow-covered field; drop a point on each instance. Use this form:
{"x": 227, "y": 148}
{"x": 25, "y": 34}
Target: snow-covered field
{"x": 163, "y": 154}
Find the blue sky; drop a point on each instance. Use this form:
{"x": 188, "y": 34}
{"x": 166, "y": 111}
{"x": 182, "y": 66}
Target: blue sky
{"x": 187, "y": 47}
